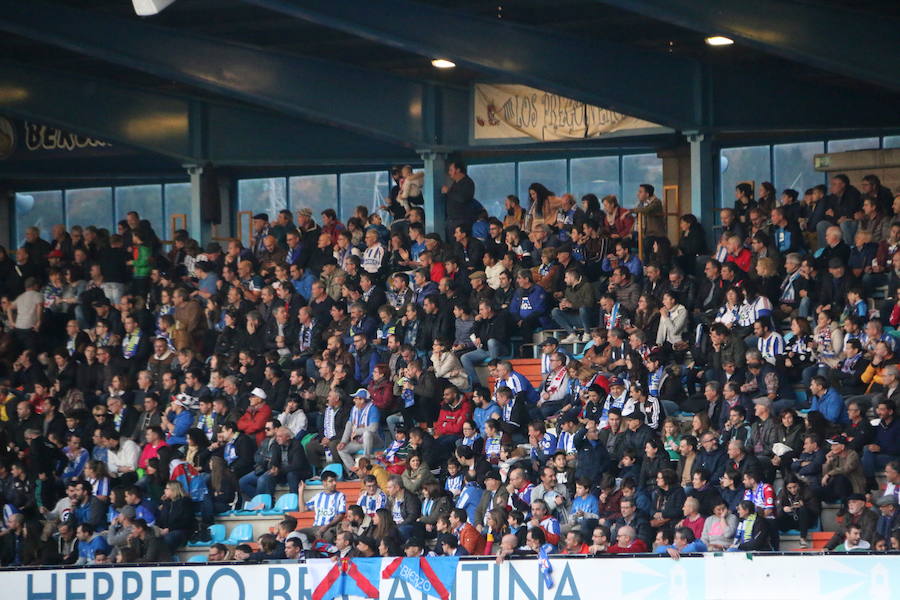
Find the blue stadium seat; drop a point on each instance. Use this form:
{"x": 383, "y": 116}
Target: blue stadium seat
{"x": 216, "y": 534}
{"x": 240, "y": 534}
{"x": 197, "y": 558}
{"x": 286, "y": 503}
{"x": 256, "y": 505}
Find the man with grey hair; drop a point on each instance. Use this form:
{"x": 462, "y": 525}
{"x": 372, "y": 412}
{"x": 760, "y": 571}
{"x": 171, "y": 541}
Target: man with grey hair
{"x": 790, "y": 298}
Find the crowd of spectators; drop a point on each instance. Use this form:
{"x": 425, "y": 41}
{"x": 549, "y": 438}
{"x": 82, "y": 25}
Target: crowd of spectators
{"x": 694, "y": 397}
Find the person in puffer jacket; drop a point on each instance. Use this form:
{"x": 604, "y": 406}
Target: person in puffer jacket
{"x": 455, "y": 411}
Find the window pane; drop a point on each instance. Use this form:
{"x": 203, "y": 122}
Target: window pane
{"x": 891, "y": 141}
{"x": 493, "y": 183}
{"x": 362, "y": 189}
{"x": 638, "y": 169}
{"x": 794, "y": 166}
{"x": 39, "y": 209}
{"x": 316, "y": 192}
{"x": 91, "y": 206}
{"x": 750, "y": 163}
{"x": 262, "y": 195}
{"x": 854, "y": 144}
{"x": 146, "y": 200}
{"x": 178, "y": 202}
{"x": 551, "y": 173}
{"x": 598, "y": 176}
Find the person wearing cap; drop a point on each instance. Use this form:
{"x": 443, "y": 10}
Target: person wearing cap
{"x": 482, "y": 292}
{"x": 857, "y": 517}
{"x": 261, "y": 230}
{"x": 495, "y": 496}
{"x": 253, "y": 421}
{"x": 889, "y": 517}
{"x": 617, "y": 398}
{"x": 178, "y": 420}
{"x": 842, "y": 473}
{"x": 361, "y": 430}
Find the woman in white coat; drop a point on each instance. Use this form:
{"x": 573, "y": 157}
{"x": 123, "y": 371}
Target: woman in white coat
{"x": 672, "y": 320}
{"x": 447, "y": 365}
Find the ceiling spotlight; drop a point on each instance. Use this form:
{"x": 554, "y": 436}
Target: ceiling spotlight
{"x": 719, "y": 40}
{"x": 442, "y": 63}
{"x": 145, "y": 8}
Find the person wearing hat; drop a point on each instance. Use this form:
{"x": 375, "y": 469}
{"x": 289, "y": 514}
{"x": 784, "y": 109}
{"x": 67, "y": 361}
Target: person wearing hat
{"x": 253, "y": 421}
{"x": 858, "y": 525}
{"x": 495, "y": 496}
{"x": 361, "y": 430}
{"x": 889, "y": 518}
{"x": 178, "y": 420}
{"x": 482, "y": 292}
{"x": 842, "y": 473}
{"x": 617, "y": 398}
{"x": 260, "y": 231}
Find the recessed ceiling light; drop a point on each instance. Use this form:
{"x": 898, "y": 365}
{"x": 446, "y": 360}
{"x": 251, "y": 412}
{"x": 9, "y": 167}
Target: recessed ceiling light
{"x": 145, "y": 8}
{"x": 442, "y": 63}
{"x": 719, "y": 40}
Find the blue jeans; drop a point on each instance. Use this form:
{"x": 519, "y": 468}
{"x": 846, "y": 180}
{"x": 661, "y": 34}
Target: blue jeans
{"x": 550, "y": 408}
{"x": 248, "y": 485}
{"x": 805, "y": 308}
{"x": 475, "y": 357}
{"x": 874, "y": 461}
{"x": 267, "y": 482}
{"x": 571, "y": 320}
{"x": 849, "y": 228}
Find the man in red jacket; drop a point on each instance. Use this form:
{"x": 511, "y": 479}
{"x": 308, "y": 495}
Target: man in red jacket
{"x": 455, "y": 411}
{"x": 253, "y": 422}
{"x": 627, "y": 542}
{"x": 469, "y": 538}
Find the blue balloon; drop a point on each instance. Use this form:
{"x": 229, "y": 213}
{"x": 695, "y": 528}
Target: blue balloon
{"x": 24, "y": 203}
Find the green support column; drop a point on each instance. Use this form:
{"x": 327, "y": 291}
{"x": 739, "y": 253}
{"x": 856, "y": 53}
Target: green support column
{"x": 704, "y": 162}
{"x": 199, "y": 229}
{"x": 435, "y": 179}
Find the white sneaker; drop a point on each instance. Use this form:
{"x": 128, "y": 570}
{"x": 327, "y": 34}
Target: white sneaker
{"x": 569, "y": 339}
{"x": 586, "y": 338}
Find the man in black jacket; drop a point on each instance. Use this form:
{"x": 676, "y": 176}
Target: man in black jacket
{"x": 459, "y": 197}
{"x": 113, "y": 264}
{"x": 236, "y": 448}
{"x": 514, "y": 415}
{"x": 469, "y": 250}
{"x": 491, "y": 336}
{"x": 287, "y": 464}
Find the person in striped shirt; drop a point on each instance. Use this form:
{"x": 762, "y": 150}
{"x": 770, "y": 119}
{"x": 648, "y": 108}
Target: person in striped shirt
{"x": 373, "y": 255}
{"x": 769, "y": 343}
{"x": 329, "y": 505}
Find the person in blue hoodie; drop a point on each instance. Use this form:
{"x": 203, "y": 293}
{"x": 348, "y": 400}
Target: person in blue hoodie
{"x": 827, "y": 401}
{"x": 528, "y": 306}
{"x": 89, "y": 544}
